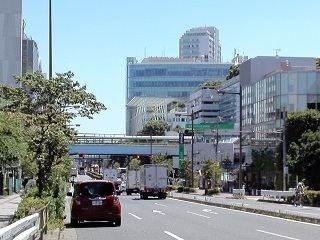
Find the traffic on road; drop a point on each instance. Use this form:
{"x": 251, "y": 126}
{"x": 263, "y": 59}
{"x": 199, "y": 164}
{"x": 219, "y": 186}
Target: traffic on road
{"x": 180, "y": 217}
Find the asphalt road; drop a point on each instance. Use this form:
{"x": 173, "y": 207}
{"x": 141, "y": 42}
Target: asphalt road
{"x": 173, "y": 218}
{"x": 178, "y": 219}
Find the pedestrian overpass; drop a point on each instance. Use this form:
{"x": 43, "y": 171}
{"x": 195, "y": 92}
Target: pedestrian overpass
{"x": 117, "y": 144}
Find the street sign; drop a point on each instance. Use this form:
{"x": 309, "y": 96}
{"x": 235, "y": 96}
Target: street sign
{"x": 181, "y": 155}
{"x": 181, "y": 138}
{"x": 210, "y": 126}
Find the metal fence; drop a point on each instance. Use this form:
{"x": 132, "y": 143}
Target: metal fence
{"x": 30, "y": 227}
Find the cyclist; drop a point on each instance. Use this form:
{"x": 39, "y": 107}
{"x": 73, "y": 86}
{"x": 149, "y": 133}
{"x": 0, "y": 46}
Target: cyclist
{"x": 299, "y": 193}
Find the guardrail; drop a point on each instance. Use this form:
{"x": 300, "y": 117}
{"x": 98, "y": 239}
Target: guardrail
{"x": 276, "y": 194}
{"x": 30, "y": 227}
{"x": 239, "y": 193}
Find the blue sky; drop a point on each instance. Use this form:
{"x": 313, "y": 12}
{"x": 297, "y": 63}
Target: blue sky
{"x": 93, "y": 38}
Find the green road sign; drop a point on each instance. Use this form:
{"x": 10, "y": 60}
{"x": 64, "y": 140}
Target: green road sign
{"x": 181, "y": 155}
{"x": 211, "y": 126}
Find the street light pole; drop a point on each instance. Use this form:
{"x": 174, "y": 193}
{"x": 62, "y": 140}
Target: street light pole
{"x": 240, "y": 130}
{"x": 192, "y": 138}
{"x": 284, "y": 149}
{"x": 50, "y": 42}
{"x": 240, "y": 135}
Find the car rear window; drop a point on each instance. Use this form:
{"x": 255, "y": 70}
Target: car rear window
{"x": 95, "y": 188}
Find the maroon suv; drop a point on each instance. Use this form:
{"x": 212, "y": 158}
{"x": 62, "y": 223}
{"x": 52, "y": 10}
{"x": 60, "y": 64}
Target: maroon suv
{"x": 95, "y": 200}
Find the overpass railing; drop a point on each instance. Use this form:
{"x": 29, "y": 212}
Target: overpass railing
{"x": 92, "y": 138}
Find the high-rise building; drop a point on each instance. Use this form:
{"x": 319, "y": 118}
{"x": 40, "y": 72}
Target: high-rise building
{"x": 10, "y": 41}
{"x": 201, "y": 43}
{"x": 165, "y": 79}
{"x": 31, "y": 61}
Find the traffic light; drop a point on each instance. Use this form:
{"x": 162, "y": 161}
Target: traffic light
{"x": 138, "y": 157}
{"x": 81, "y": 156}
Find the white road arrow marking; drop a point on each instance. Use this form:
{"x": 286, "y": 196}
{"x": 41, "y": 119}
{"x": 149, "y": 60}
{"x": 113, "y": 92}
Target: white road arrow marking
{"x": 135, "y": 216}
{"x": 156, "y": 211}
{"x": 198, "y": 214}
{"x": 173, "y": 235}
{"x": 160, "y": 205}
{"x": 208, "y": 211}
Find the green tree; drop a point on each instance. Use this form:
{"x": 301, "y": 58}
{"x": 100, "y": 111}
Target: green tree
{"x": 134, "y": 164}
{"x": 159, "y": 158}
{"x": 12, "y": 143}
{"x": 48, "y": 107}
{"x": 155, "y": 128}
{"x": 305, "y": 160}
{"x": 185, "y": 171}
{"x": 264, "y": 165}
{"x": 297, "y": 124}
{"x": 213, "y": 84}
{"x": 233, "y": 71}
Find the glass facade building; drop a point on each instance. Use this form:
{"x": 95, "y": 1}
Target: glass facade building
{"x": 30, "y": 57}
{"x": 10, "y": 41}
{"x": 168, "y": 77}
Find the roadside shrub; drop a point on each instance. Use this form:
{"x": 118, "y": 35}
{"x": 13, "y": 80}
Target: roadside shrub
{"x": 180, "y": 189}
{"x": 313, "y": 197}
{"x": 28, "y": 206}
{"x": 172, "y": 187}
{"x": 212, "y": 191}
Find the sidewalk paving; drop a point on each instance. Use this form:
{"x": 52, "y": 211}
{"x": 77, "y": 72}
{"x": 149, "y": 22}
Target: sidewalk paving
{"x": 8, "y": 206}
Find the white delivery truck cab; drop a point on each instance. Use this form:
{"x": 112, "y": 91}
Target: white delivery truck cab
{"x": 153, "y": 181}
{"x": 133, "y": 181}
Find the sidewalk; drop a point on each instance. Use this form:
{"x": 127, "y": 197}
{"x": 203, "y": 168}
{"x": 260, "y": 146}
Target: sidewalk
{"x": 8, "y": 206}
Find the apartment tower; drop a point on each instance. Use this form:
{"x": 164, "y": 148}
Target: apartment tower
{"x": 201, "y": 43}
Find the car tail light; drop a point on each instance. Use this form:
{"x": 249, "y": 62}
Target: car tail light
{"x": 164, "y": 190}
{"x": 77, "y": 200}
{"x": 115, "y": 200}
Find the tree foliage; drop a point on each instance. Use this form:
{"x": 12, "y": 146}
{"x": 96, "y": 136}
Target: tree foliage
{"x": 302, "y": 132}
{"x": 155, "y": 128}
{"x": 263, "y": 165}
{"x": 48, "y": 107}
{"x": 159, "y": 158}
{"x": 213, "y": 84}
{"x": 318, "y": 62}
{"x": 233, "y": 71}
{"x": 12, "y": 142}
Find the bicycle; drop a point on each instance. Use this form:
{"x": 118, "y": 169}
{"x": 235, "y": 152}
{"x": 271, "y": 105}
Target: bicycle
{"x": 299, "y": 197}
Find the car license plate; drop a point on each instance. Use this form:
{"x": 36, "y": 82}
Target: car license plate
{"x": 97, "y": 203}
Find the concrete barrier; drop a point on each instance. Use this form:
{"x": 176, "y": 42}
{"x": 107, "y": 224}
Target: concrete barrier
{"x": 239, "y": 193}
{"x": 276, "y": 194}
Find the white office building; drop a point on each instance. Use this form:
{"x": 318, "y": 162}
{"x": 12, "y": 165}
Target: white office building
{"x": 201, "y": 43}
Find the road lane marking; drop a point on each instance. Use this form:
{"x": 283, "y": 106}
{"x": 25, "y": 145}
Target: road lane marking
{"x": 198, "y": 214}
{"x": 209, "y": 211}
{"x": 135, "y": 216}
{"x": 160, "y": 205}
{"x": 156, "y": 211}
{"x": 239, "y": 211}
{"x": 237, "y": 203}
{"x": 315, "y": 214}
{"x": 278, "y": 235}
{"x": 172, "y": 235}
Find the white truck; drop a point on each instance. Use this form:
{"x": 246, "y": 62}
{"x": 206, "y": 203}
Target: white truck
{"x": 153, "y": 181}
{"x": 111, "y": 174}
{"x": 133, "y": 181}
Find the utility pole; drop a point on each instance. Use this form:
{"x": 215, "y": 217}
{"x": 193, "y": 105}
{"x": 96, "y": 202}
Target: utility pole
{"x": 284, "y": 149}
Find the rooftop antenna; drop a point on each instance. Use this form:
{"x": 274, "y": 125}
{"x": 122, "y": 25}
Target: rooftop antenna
{"x": 277, "y": 50}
